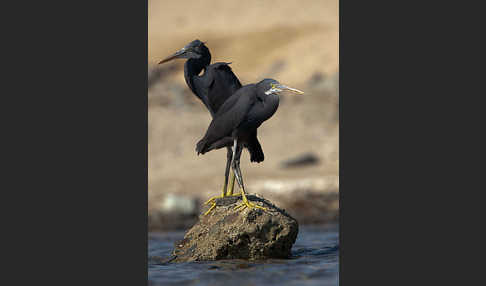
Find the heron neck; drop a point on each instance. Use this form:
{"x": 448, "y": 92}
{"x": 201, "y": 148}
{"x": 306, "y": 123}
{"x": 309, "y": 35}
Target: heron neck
{"x": 274, "y": 97}
{"x": 271, "y": 103}
{"x": 193, "y": 68}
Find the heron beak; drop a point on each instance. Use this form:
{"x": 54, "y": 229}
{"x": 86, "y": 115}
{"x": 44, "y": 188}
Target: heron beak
{"x": 174, "y": 56}
{"x": 284, "y": 87}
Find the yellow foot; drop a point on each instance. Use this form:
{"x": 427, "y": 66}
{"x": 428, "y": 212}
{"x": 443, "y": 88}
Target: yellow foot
{"x": 211, "y": 200}
{"x": 250, "y": 205}
{"x": 210, "y": 209}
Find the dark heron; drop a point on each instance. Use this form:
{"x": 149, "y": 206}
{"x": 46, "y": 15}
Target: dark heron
{"x": 236, "y": 122}
{"x": 213, "y": 88}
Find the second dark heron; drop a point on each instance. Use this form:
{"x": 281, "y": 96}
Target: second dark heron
{"x": 236, "y": 122}
{"x": 213, "y": 88}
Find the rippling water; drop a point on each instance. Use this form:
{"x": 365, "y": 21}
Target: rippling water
{"x": 315, "y": 261}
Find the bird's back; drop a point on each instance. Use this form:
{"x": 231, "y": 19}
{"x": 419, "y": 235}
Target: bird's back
{"x": 230, "y": 114}
{"x": 216, "y": 85}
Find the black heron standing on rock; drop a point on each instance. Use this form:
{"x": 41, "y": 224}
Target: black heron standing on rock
{"x": 236, "y": 122}
{"x": 213, "y": 88}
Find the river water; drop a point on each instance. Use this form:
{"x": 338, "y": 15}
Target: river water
{"x": 314, "y": 261}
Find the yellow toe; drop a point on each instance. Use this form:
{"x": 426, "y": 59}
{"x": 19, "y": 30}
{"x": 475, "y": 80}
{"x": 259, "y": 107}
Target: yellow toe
{"x": 250, "y": 205}
{"x": 210, "y": 209}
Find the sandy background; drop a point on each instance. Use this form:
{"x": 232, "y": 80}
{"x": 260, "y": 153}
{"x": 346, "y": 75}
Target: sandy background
{"x": 295, "y": 42}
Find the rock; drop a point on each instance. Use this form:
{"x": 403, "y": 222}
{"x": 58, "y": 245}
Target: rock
{"x": 316, "y": 79}
{"x": 309, "y": 200}
{"x": 276, "y": 67}
{"x": 159, "y": 221}
{"x": 184, "y": 205}
{"x": 227, "y": 233}
{"x": 307, "y": 159}
{"x": 314, "y": 208}
{"x": 324, "y": 84}
{"x": 173, "y": 212}
{"x": 292, "y": 187}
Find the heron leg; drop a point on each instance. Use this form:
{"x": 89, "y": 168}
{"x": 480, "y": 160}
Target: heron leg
{"x": 229, "y": 156}
{"x": 229, "y": 192}
{"x": 232, "y": 185}
{"x": 225, "y": 192}
{"x": 239, "y": 179}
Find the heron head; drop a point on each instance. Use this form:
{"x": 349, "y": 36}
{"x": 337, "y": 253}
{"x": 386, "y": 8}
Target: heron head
{"x": 271, "y": 86}
{"x": 194, "y": 50}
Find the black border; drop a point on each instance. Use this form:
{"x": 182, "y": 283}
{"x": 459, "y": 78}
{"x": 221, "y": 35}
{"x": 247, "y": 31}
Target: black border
{"x": 77, "y": 153}
{"x": 75, "y": 141}
{"x": 406, "y": 101}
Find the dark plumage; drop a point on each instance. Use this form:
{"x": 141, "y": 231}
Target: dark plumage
{"x": 237, "y": 111}
{"x": 236, "y": 122}
{"x": 215, "y": 85}
{"x": 239, "y": 117}
{"x": 213, "y": 88}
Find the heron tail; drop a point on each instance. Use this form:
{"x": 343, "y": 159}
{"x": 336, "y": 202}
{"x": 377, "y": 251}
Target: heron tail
{"x": 256, "y": 152}
{"x": 201, "y": 146}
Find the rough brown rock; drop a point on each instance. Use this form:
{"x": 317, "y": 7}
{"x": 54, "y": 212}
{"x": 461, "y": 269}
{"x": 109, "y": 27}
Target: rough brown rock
{"x": 227, "y": 233}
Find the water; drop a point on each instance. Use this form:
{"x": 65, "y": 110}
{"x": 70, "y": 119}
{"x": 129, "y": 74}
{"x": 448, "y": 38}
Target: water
{"x": 315, "y": 261}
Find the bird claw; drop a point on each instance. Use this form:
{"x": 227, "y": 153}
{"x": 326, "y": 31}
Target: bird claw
{"x": 212, "y": 200}
{"x": 210, "y": 209}
{"x": 244, "y": 204}
{"x": 249, "y": 205}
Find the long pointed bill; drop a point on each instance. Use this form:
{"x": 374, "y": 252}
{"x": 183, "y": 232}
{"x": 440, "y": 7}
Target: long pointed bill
{"x": 174, "y": 56}
{"x": 284, "y": 87}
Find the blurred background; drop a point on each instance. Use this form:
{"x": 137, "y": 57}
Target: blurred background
{"x": 262, "y": 39}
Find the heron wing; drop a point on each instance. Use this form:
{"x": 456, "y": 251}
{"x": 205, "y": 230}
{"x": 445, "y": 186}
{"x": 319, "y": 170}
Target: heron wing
{"x": 217, "y": 85}
{"x": 229, "y": 116}
{"x": 222, "y": 72}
